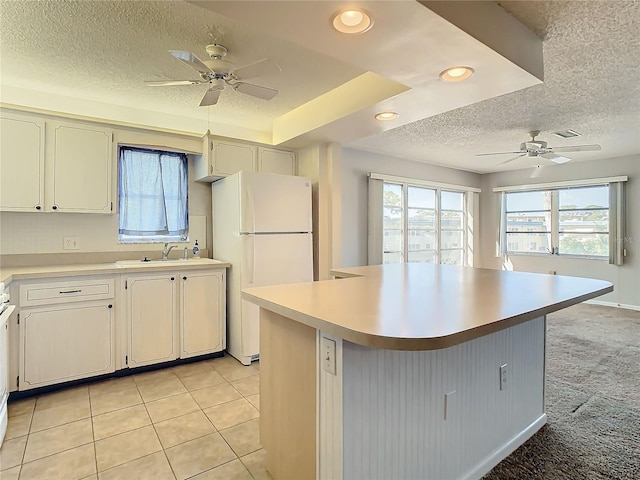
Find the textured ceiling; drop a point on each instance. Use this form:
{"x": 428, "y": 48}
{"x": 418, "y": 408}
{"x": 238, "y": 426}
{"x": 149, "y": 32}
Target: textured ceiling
{"x": 591, "y": 85}
{"x": 103, "y": 51}
{"x": 98, "y": 49}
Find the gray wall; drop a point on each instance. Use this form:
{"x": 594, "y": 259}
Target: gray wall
{"x": 626, "y": 278}
{"x": 356, "y": 165}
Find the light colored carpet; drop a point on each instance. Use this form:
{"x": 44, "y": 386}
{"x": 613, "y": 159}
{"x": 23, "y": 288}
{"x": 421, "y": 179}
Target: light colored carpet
{"x": 593, "y": 400}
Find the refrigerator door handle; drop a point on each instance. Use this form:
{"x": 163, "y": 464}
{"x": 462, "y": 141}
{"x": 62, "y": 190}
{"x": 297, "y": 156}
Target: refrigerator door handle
{"x": 249, "y": 210}
{"x": 250, "y": 256}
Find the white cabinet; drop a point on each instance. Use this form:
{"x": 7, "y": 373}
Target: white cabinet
{"x": 54, "y": 166}
{"x": 151, "y": 314}
{"x": 281, "y": 162}
{"x": 202, "y": 313}
{"x": 21, "y": 163}
{"x": 175, "y": 315}
{"x": 79, "y": 171}
{"x": 65, "y": 340}
{"x": 221, "y": 157}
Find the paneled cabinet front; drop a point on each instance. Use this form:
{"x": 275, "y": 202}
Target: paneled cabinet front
{"x": 175, "y": 315}
{"x": 152, "y": 310}
{"x": 61, "y": 343}
{"x": 54, "y": 166}
{"x": 202, "y": 313}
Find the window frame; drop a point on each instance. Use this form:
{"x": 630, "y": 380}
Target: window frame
{"x": 555, "y": 213}
{"x": 132, "y": 239}
{"x": 437, "y": 231}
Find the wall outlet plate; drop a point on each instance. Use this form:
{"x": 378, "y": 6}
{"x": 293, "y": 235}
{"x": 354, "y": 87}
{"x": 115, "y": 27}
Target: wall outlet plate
{"x": 328, "y": 355}
{"x": 504, "y": 372}
{"x": 70, "y": 243}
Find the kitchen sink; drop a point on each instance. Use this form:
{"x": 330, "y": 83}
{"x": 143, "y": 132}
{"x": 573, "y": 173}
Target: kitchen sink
{"x": 156, "y": 262}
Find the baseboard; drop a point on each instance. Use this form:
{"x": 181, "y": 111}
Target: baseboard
{"x": 485, "y": 467}
{"x": 613, "y": 304}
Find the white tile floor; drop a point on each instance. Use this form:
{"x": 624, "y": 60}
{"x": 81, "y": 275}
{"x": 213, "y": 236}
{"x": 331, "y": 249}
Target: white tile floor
{"x": 196, "y": 421}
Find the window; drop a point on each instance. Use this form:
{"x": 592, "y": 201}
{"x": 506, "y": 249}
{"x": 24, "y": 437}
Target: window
{"x": 564, "y": 221}
{"x": 152, "y": 196}
{"x": 434, "y": 221}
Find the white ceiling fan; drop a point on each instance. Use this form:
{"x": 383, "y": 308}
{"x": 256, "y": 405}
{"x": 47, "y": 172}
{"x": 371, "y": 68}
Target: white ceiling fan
{"x": 218, "y": 73}
{"x": 539, "y": 148}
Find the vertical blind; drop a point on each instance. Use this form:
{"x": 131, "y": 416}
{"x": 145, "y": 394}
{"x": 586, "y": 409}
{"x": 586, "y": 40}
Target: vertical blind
{"x": 153, "y": 194}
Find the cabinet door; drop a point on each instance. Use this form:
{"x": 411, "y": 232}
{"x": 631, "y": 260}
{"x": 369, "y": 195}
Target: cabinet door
{"x": 202, "y": 313}
{"x": 230, "y": 157}
{"x": 62, "y": 343}
{"x": 276, "y": 161}
{"x": 79, "y": 177}
{"x": 152, "y": 309}
{"x": 21, "y": 164}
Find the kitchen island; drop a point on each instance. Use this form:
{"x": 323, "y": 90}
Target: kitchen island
{"x": 407, "y": 371}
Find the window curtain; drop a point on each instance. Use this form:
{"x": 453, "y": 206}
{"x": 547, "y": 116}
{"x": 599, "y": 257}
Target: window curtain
{"x": 616, "y": 223}
{"x": 374, "y": 224}
{"x": 153, "y": 193}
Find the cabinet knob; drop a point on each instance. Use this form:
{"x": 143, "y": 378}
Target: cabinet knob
{"x": 109, "y": 306}
{"x": 184, "y": 278}
{"x": 172, "y": 279}
{"x": 38, "y": 207}
{"x": 54, "y": 207}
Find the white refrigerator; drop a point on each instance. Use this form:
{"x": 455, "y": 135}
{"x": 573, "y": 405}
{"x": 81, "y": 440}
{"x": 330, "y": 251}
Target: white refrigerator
{"x": 262, "y": 226}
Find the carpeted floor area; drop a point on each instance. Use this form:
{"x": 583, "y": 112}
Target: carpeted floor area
{"x": 593, "y": 400}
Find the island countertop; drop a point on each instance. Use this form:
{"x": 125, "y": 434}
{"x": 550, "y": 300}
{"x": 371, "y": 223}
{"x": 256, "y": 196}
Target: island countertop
{"x": 413, "y": 306}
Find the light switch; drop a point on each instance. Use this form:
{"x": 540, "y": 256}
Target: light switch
{"x": 328, "y": 355}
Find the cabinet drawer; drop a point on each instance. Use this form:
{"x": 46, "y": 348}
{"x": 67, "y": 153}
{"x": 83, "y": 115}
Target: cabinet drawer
{"x": 63, "y": 292}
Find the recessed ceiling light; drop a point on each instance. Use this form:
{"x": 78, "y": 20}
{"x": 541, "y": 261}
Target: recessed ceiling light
{"x": 352, "y": 21}
{"x": 456, "y": 74}
{"x": 383, "y": 116}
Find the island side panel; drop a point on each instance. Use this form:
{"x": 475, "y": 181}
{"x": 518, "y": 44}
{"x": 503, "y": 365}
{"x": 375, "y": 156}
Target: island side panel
{"x": 441, "y": 413}
{"x": 288, "y": 373}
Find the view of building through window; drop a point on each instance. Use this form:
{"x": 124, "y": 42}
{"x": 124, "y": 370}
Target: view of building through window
{"x": 423, "y": 224}
{"x": 569, "y": 221}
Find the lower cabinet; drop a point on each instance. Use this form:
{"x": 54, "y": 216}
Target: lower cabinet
{"x": 151, "y": 312}
{"x": 175, "y": 315}
{"x": 66, "y": 342}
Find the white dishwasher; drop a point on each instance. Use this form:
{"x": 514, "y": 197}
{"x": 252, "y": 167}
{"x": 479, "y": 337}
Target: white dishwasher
{"x": 4, "y": 365}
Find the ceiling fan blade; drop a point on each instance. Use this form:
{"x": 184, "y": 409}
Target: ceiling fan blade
{"x": 498, "y": 153}
{"x": 191, "y": 60}
{"x": 255, "y": 90}
{"x": 166, "y": 83}
{"x": 555, "y": 158}
{"x": 578, "y": 148}
{"x": 512, "y": 159}
{"x": 211, "y": 97}
{"x": 261, "y": 67}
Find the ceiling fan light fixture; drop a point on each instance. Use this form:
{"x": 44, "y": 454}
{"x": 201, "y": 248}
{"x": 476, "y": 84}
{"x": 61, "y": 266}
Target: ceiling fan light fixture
{"x": 352, "y": 21}
{"x": 456, "y": 74}
{"x": 386, "y": 116}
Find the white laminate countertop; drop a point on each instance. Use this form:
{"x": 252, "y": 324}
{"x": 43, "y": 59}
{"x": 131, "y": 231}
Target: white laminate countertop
{"x": 10, "y": 274}
{"x": 415, "y": 306}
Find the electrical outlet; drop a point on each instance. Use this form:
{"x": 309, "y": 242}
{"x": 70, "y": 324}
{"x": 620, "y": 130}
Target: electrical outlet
{"x": 328, "y": 355}
{"x": 503, "y": 376}
{"x": 71, "y": 243}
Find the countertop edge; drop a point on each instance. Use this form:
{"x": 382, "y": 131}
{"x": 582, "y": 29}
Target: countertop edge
{"x": 415, "y": 344}
{"x": 13, "y": 274}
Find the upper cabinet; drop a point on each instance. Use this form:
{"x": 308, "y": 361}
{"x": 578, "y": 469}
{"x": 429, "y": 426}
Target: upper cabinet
{"x": 271, "y": 160}
{"x": 21, "y": 163}
{"x": 54, "y": 166}
{"x": 222, "y": 157}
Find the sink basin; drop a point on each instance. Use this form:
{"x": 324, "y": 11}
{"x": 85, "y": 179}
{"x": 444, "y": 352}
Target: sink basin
{"x": 158, "y": 262}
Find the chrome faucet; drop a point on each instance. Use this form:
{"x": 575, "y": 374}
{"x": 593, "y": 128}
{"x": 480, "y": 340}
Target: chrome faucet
{"x": 165, "y": 251}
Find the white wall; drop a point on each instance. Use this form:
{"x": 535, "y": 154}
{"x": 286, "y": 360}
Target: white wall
{"x": 356, "y": 165}
{"x": 626, "y": 278}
